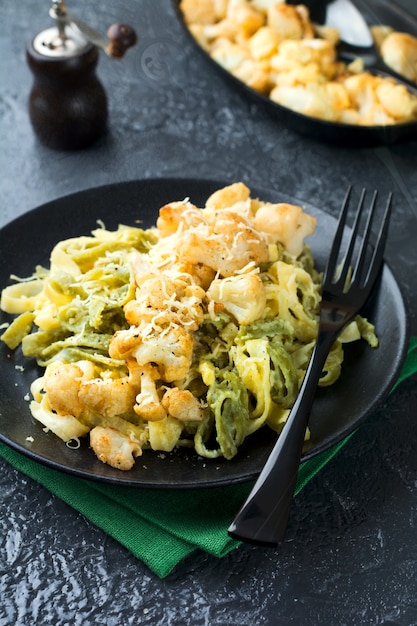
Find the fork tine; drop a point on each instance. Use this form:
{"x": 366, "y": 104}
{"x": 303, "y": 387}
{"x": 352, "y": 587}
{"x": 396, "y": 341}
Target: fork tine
{"x": 378, "y": 253}
{"x": 360, "y": 263}
{"x": 331, "y": 265}
{"x": 360, "y": 266}
{"x": 345, "y": 265}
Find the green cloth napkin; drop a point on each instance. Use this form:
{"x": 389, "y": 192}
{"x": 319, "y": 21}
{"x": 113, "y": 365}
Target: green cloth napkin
{"x": 161, "y": 527}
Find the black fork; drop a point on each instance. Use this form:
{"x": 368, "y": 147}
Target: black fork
{"x": 346, "y": 287}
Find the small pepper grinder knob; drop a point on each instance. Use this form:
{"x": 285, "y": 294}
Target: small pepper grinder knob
{"x": 121, "y": 38}
{"x": 67, "y": 102}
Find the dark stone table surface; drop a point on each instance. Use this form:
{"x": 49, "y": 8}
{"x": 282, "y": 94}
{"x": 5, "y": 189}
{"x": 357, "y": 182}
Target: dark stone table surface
{"x": 351, "y": 553}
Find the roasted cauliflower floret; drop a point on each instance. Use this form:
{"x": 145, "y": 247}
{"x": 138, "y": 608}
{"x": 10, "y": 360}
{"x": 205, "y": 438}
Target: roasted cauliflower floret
{"x": 201, "y": 11}
{"x": 114, "y": 448}
{"x": 175, "y": 213}
{"x": 228, "y": 196}
{"x": 225, "y": 29}
{"x": 286, "y": 223}
{"x": 63, "y": 424}
{"x": 62, "y": 386}
{"x": 399, "y": 51}
{"x": 181, "y": 404}
{"x": 255, "y": 74}
{"x": 163, "y": 300}
{"x": 108, "y": 396}
{"x": 379, "y": 100}
{"x": 264, "y": 43}
{"x": 229, "y": 54}
{"x": 148, "y": 404}
{"x": 124, "y": 342}
{"x": 289, "y": 22}
{"x": 171, "y": 351}
{"x": 227, "y": 246}
{"x": 361, "y": 90}
{"x": 304, "y": 61}
{"x": 243, "y": 296}
{"x": 201, "y": 273}
{"x": 246, "y": 16}
{"x": 73, "y": 388}
{"x": 397, "y": 101}
{"x": 327, "y": 101}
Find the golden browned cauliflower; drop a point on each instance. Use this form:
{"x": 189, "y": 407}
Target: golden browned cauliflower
{"x": 114, "y": 448}
{"x": 286, "y": 223}
{"x": 399, "y": 51}
{"x": 243, "y": 296}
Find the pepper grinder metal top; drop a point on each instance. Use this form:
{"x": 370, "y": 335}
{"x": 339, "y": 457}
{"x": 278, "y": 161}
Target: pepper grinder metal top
{"x": 67, "y": 103}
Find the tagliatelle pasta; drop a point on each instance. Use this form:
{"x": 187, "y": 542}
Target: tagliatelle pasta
{"x": 195, "y": 332}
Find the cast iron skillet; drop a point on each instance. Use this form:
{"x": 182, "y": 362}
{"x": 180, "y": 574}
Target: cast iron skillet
{"x": 367, "y": 374}
{"x": 348, "y": 135}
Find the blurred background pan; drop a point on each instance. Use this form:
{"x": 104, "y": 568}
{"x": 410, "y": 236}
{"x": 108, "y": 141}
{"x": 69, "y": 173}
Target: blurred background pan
{"x": 376, "y": 12}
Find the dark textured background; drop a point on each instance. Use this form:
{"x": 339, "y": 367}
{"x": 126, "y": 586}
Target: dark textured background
{"x": 351, "y": 555}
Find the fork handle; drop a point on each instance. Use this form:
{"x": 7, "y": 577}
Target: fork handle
{"x": 263, "y": 518}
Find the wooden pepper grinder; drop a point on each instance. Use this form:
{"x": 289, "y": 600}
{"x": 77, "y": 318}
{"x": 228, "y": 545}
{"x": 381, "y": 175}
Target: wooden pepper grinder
{"x": 67, "y": 103}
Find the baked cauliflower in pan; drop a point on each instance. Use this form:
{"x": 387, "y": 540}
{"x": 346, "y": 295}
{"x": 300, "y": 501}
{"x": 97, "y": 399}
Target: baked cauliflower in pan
{"x": 276, "y": 49}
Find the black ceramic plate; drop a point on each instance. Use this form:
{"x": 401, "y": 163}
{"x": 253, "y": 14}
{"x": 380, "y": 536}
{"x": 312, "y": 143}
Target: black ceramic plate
{"x": 349, "y": 135}
{"x": 366, "y": 379}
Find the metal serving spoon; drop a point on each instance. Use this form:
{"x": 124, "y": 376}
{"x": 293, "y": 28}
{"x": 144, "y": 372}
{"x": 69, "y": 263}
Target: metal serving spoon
{"x": 355, "y": 37}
